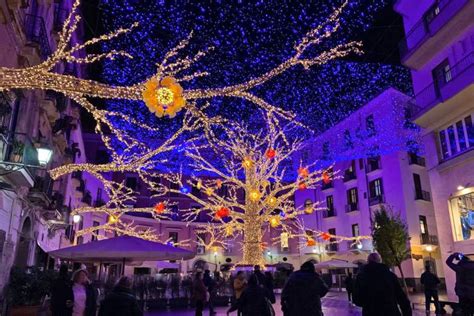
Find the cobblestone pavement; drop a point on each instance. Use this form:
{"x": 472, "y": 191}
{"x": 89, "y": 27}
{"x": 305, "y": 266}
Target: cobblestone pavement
{"x": 334, "y": 304}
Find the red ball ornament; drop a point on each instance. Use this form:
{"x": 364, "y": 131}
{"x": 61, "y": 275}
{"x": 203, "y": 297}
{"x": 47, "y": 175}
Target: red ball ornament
{"x": 303, "y": 172}
{"x": 222, "y": 212}
{"x": 325, "y": 236}
{"x": 160, "y": 207}
{"x": 326, "y": 177}
{"x": 302, "y": 186}
{"x": 271, "y": 153}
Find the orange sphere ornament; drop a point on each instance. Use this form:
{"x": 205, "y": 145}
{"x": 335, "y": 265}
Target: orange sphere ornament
{"x": 302, "y": 186}
{"x": 219, "y": 183}
{"x": 271, "y": 153}
{"x": 303, "y": 172}
{"x": 326, "y": 177}
{"x": 310, "y": 242}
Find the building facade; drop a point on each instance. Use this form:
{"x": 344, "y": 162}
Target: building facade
{"x": 376, "y": 162}
{"x": 439, "y": 50}
{"x": 39, "y": 131}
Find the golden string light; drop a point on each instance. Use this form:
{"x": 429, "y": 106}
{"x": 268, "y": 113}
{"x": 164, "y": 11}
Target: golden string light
{"x": 253, "y": 168}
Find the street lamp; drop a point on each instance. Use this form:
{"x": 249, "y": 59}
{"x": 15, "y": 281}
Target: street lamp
{"x": 44, "y": 155}
{"x": 76, "y": 218}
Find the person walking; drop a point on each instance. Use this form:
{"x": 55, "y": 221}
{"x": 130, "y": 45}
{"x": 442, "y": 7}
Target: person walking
{"x": 259, "y": 275}
{"x": 269, "y": 287}
{"x": 240, "y": 283}
{"x": 84, "y": 295}
{"x": 464, "y": 287}
{"x": 211, "y": 288}
{"x": 303, "y": 292}
{"x": 349, "y": 284}
{"x": 430, "y": 283}
{"x": 61, "y": 294}
{"x": 378, "y": 291}
{"x": 121, "y": 301}
{"x": 199, "y": 293}
{"x": 253, "y": 301}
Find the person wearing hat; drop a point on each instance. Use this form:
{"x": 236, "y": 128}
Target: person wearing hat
{"x": 84, "y": 295}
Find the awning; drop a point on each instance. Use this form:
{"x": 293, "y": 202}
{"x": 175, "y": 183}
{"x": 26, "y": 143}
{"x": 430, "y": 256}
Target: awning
{"x": 121, "y": 249}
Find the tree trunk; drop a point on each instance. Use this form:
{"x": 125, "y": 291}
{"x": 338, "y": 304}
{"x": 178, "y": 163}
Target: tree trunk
{"x": 404, "y": 283}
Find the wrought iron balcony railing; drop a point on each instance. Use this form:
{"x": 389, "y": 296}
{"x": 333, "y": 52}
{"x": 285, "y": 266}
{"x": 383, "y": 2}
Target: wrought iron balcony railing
{"x": 35, "y": 31}
{"x": 426, "y": 239}
{"x": 414, "y": 159}
{"x": 352, "y": 207}
{"x": 422, "y": 195}
{"x": 349, "y": 175}
{"x": 378, "y": 199}
{"x": 329, "y": 213}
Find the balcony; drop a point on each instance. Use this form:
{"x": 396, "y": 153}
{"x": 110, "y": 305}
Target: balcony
{"x": 332, "y": 248}
{"x": 414, "y": 159}
{"x": 329, "y": 213}
{"x": 42, "y": 191}
{"x": 422, "y": 195}
{"x": 440, "y": 24}
{"x": 35, "y": 31}
{"x": 349, "y": 175}
{"x": 373, "y": 164}
{"x": 60, "y": 15}
{"x": 440, "y": 100}
{"x": 375, "y": 200}
{"x": 326, "y": 186}
{"x": 18, "y": 159}
{"x": 352, "y": 207}
{"x": 426, "y": 239}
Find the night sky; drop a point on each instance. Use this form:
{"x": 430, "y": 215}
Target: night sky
{"x": 251, "y": 37}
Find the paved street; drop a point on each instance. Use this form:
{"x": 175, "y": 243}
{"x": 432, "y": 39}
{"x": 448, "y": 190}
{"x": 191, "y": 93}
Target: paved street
{"x": 334, "y": 304}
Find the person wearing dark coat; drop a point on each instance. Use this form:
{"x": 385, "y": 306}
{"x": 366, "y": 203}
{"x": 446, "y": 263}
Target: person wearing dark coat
{"x": 121, "y": 301}
{"x": 199, "y": 293}
{"x": 430, "y": 283}
{"x": 378, "y": 291}
{"x": 211, "y": 288}
{"x": 261, "y": 280}
{"x": 269, "y": 287}
{"x": 464, "y": 287}
{"x": 349, "y": 283}
{"x": 253, "y": 301}
{"x": 303, "y": 292}
{"x": 61, "y": 294}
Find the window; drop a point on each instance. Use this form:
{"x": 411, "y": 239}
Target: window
{"x": 462, "y": 216}
{"x": 348, "y": 139}
{"x": 370, "y": 125}
{"x": 423, "y": 225}
{"x": 330, "y": 203}
{"x": 355, "y": 230}
{"x": 173, "y": 237}
{"x": 431, "y": 13}
{"x": 417, "y": 182}
{"x": 457, "y": 138}
{"x": 96, "y": 232}
{"x": 2, "y": 243}
{"x": 373, "y": 163}
{"x": 469, "y": 131}
{"x": 441, "y": 75}
{"x": 376, "y": 188}
{"x": 131, "y": 183}
{"x": 352, "y": 196}
{"x": 332, "y": 246}
{"x": 80, "y": 240}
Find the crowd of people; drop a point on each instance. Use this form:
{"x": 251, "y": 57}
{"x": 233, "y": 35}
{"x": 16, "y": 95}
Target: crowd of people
{"x": 375, "y": 288}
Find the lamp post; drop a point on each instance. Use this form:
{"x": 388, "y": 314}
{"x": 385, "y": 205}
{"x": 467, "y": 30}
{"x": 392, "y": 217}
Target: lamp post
{"x": 44, "y": 155}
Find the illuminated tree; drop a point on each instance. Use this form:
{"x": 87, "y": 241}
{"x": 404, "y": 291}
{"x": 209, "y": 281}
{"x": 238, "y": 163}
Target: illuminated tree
{"x": 251, "y": 186}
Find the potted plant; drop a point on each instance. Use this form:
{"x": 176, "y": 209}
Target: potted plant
{"x": 26, "y": 290}
{"x": 17, "y": 151}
